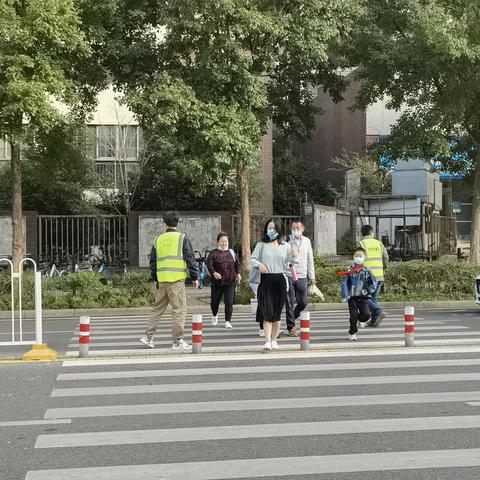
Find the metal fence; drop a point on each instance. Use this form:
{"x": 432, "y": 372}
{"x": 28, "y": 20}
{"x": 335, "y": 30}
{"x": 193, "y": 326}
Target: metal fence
{"x": 80, "y": 237}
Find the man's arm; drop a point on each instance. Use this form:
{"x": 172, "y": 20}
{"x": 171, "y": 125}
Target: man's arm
{"x": 153, "y": 264}
{"x": 310, "y": 262}
{"x": 385, "y": 257}
{"x": 189, "y": 257}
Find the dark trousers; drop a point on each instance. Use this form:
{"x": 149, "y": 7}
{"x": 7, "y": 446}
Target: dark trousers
{"x": 373, "y": 302}
{"x": 297, "y": 293}
{"x": 359, "y": 312}
{"x": 228, "y": 293}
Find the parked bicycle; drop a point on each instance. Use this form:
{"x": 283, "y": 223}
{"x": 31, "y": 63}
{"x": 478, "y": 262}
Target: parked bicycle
{"x": 204, "y": 279}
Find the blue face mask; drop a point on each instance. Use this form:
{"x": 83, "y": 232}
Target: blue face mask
{"x": 296, "y": 233}
{"x": 272, "y": 234}
{"x": 358, "y": 260}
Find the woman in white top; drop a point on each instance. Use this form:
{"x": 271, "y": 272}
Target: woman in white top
{"x": 272, "y": 256}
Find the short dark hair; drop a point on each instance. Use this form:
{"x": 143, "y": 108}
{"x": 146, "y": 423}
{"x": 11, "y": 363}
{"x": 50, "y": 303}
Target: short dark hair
{"x": 171, "y": 219}
{"x": 222, "y": 234}
{"x": 360, "y": 249}
{"x": 367, "y": 230}
{"x": 278, "y": 228}
{"x": 297, "y": 220}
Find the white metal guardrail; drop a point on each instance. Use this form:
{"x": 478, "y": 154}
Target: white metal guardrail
{"x": 17, "y": 334}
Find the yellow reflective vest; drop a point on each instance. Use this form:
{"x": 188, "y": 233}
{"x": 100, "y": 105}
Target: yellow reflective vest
{"x": 374, "y": 252}
{"x": 171, "y": 266}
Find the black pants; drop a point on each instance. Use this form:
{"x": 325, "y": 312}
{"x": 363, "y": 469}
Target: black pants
{"x": 359, "y": 312}
{"x": 297, "y": 292}
{"x": 228, "y": 293}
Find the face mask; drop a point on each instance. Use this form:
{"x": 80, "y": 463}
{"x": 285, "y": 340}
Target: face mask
{"x": 222, "y": 248}
{"x": 272, "y": 234}
{"x": 358, "y": 260}
{"x": 296, "y": 233}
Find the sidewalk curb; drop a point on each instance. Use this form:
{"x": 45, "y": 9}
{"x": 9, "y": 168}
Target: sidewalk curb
{"x": 422, "y": 347}
{"x": 145, "y": 311}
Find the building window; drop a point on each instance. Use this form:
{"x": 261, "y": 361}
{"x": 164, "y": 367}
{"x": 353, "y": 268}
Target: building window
{"x": 128, "y": 144}
{"x": 5, "y": 150}
{"x": 106, "y": 142}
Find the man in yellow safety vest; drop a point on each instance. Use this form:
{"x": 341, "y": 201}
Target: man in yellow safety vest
{"x": 172, "y": 259}
{"x": 377, "y": 262}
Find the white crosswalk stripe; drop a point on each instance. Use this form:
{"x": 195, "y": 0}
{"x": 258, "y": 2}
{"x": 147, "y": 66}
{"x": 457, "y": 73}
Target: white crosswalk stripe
{"x": 169, "y": 420}
{"x": 121, "y": 335}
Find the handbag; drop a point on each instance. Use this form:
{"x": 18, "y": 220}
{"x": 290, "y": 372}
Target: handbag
{"x": 255, "y": 275}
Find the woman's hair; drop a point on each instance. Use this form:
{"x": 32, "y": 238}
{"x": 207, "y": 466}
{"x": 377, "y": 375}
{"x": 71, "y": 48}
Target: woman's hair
{"x": 222, "y": 234}
{"x": 278, "y": 228}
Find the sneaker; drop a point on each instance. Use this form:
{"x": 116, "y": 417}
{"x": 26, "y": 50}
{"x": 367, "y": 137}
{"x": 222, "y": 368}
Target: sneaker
{"x": 361, "y": 325}
{"x": 378, "y": 320}
{"x": 228, "y": 325}
{"x": 352, "y": 338}
{"x": 293, "y": 332}
{"x": 148, "y": 342}
{"x": 267, "y": 346}
{"x": 181, "y": 345}
{"x": 214, "y": 319}
{"x": 371, "y": 322}
{"x": 280, "y": 333}
{"x": 261, "y": 333}
{"x": 274, "y": 345}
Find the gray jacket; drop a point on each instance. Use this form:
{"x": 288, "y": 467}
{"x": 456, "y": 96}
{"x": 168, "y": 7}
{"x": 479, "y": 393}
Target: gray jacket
{"x": 305, "y": 265}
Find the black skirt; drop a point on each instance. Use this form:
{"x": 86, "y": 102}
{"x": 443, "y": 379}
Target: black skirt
{"x": 272, "y": 295}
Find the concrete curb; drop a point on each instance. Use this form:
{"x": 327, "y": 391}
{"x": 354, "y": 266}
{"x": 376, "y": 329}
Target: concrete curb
{"x": 145, "y": 311}
{"x": 345, "y": 349}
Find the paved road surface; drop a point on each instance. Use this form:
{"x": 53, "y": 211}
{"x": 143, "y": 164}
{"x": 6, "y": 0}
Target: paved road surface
{"x": 288, "y": 416}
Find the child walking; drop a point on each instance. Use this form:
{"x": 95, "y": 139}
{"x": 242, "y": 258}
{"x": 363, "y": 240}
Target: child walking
{"x": 358, "y": 285}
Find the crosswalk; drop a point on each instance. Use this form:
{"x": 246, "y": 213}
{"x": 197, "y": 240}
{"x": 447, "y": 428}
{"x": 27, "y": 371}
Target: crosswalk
{"x": 121, "y": 335}
{"x": 265, "y": 416}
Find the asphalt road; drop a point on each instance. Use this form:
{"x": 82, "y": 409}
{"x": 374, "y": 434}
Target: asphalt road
{"x": 287, "y": 416}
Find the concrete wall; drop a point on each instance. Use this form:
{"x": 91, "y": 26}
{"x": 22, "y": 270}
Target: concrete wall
{"x": 30, "y": 232}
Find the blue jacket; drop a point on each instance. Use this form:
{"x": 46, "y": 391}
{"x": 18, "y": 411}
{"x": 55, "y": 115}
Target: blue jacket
{"x": 359, "y": 284}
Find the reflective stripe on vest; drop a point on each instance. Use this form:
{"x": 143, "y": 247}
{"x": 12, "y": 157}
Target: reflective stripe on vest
{"x": 171, "y": 266}
{"x": 374, "y": 253}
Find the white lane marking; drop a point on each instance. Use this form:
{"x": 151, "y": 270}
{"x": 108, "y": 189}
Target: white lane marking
{"x": 266, "y": 369}
{"x": 264, "y": 384}
{"x": 259, "y": 404}
{"x": 272, "y": 467}
{"x": 20, "y": 423}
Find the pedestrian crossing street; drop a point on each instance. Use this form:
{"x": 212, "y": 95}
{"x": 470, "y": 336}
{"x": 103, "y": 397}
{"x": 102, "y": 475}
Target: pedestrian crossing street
{"x": 288, "y": 415}
{"x": 121, "y": 335}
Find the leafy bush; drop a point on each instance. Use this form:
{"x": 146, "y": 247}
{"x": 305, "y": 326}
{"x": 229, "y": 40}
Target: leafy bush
{"x": 440, "y": 280}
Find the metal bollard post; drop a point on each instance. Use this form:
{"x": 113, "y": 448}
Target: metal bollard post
{"x": 84, "y": 336}
{"x": 409, "y": 326}
{"x": 304, "y": 330}
{"x": 197, "y": 334}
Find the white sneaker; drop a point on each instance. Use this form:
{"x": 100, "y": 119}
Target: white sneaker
{"x": 181, "y": 345}
{"x": 261, "y": 333}
{"x": 352, "y": 338}
{"x": 268, "y": 346}
{"x": 280, "y": 333}
{"x": 228, "y": 325}
{"x": 214, "y": 319}
{"x": 361, "y": 325}
{"x": 148, "y": 342}
{"x": 274, "y": 345}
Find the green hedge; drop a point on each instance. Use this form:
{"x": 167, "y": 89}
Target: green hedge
{"x": 440, "y": 280}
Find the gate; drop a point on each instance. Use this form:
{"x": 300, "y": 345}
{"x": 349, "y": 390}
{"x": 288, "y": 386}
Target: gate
{"x": 67, "y": 238}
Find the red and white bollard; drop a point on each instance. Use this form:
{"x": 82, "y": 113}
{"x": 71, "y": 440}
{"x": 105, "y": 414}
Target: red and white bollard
{"x": 197, "y": 334}
{"x": 409, "y": 326}
{"x": 304, "y": 330}
{"x": 84, "y": 336}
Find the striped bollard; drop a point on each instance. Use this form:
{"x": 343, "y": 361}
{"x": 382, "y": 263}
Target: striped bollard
{"x": 84, "y": 338}
{"x": 197, "y": 334}
{"x": 409, "y": 327}
{"x": 304, "y": 330}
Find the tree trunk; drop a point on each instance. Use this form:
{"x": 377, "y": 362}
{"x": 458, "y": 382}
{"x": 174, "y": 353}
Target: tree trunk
{"x": 475, "y": 232}
{"x": 244, "y": 212}
{"x": 18, "y": 247}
